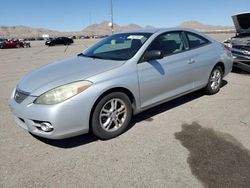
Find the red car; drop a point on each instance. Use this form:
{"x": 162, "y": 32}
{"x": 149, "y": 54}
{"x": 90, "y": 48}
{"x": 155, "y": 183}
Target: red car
{"x": 14, "y": 44}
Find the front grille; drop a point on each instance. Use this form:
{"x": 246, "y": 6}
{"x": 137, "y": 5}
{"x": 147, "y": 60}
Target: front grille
{"x": 20, "y": 95}
{"x": 241, "y": 50}
{"x": 237, "y": 52}
{"x": 247, "y": 48}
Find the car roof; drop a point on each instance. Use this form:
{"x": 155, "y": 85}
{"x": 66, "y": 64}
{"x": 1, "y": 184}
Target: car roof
{"x": 159, "y": 31}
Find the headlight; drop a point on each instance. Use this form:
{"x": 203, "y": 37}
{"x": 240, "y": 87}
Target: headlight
{"x": 62, "y": 93}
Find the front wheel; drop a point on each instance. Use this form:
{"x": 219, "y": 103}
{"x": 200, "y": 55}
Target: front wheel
{"x": 111, "y": 115}
{"x": 215, "y": 81}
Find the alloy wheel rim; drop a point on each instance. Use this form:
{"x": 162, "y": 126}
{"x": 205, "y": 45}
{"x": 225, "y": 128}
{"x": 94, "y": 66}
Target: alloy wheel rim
{"x": 113, "y": 115}
{"x": 215, "y": 79}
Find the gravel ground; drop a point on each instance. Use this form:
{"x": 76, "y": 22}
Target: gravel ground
{"x": 154, "y": 152}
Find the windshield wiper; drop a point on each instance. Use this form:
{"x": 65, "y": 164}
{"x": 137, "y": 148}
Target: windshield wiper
{"x": 90, "y": 56}
{"x": 98, "y": 57}
{"x": 81, "y": 54}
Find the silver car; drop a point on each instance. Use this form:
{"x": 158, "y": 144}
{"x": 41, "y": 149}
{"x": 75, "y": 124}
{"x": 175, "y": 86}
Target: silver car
{"x": 101, "y": 88}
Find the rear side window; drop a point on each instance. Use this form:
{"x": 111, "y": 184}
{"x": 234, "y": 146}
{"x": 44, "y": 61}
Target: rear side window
{"x": 195, "y": 40}
{"x": 168, "y": 43}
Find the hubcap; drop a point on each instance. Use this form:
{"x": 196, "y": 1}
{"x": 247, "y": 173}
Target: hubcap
{"x": 215, "y": 79}
{"x": 112, "y": 115}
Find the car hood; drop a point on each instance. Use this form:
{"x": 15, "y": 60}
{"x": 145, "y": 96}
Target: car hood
{"x": 63, "y": 72}
{"x": 242, "y": 23}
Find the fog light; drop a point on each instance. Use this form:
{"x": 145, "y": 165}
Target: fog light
{"x": 46, "y": 127}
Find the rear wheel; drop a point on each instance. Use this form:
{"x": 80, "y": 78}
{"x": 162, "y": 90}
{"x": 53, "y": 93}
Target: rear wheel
{"x": 111, "y": 115}
{"x": 215, "y": 81}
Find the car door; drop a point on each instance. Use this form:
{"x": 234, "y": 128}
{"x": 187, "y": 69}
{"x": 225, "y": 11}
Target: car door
{"x": 62, "y": 40}
{"x": 165, "y": 78}
{"x": 65, "y": 40}
{"x": 58, "y": 40}
{"x": 13, "y": 44}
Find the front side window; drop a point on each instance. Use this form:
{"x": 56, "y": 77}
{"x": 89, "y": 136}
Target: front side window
{"x": 118, "y": 47}
{"x": 168, "y": 43}
{"x": 195, "y": 40}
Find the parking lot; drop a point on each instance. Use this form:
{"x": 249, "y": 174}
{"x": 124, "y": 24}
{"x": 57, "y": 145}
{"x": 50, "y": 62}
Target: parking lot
{"x": 193, "y": 141}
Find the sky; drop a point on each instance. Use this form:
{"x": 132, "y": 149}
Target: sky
{"x": 74, "y": 15}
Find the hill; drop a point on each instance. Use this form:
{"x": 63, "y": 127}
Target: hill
{"x": 104, "y": 29}
{"x": 96, "y": 29}
{"x": 24, "y": 31}
{"x": 203, "y": 27}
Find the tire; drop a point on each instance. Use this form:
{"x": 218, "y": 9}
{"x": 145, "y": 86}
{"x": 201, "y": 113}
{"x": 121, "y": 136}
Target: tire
{"x": 18, "y": 46}
{"x": 111, "y": 115}
{"x": 214, "y": 82}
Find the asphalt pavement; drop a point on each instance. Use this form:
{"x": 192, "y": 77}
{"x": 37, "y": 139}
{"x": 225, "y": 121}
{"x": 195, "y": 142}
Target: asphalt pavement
{"x": 163, "y": 147}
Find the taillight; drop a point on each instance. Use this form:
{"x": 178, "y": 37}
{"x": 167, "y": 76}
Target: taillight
{"x": 228, "y": 47}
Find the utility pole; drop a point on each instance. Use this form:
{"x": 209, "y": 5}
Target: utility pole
{"x": 111, "y": 24}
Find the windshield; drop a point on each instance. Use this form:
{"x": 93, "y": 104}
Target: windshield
{"x": 118, "y": 47}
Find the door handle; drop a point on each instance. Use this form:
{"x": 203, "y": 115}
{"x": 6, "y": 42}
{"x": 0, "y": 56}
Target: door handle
{"x": 191, "y": 61}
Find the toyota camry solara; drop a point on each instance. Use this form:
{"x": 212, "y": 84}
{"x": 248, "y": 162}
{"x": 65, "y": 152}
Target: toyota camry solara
{"x": 100, "y": 89}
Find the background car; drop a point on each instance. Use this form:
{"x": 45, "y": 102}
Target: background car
{"x": 59, "y": 41}
{"x": 240, "y": 43}
{"x": 2, "y": 41}
{"x": 14, "y": 44}
{"x": 124, "y": 74}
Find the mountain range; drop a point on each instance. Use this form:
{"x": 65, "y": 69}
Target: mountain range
{"x": 97, "y": 29}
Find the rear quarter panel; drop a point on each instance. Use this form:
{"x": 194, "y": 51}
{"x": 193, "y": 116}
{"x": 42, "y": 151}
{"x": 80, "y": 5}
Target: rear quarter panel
{"x": 206, "y": 58}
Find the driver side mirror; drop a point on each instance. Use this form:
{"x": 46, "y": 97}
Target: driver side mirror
{"x": 152, "y": 55}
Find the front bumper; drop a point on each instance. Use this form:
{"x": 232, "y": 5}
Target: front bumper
{"x": 69, "y": 118}
{"x": 242, "y": 62}
{"x": 242, "y": 65}
{"x": 241, "y": 58}
{"x": 238, "y": 58}
{"x": 241, "y": 54}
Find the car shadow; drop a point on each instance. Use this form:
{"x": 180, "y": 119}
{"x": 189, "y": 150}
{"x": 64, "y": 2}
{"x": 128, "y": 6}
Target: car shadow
{"x": 69, "y": 142}
{"x": 143, "y": 116}
{"x": 148, "y": 114}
